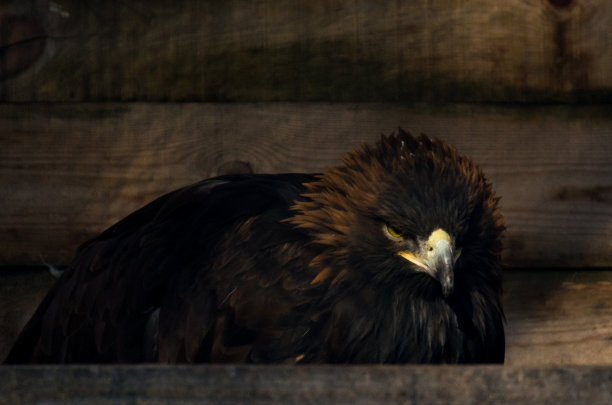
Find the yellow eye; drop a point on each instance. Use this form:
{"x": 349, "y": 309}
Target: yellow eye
{"x": 392, "y": 233}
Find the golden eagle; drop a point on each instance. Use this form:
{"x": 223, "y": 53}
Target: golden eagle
{"x": 392, "y": 257}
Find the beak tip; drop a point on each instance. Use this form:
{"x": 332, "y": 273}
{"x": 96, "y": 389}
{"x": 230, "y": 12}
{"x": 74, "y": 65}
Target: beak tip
{"x": 447, "y": 284}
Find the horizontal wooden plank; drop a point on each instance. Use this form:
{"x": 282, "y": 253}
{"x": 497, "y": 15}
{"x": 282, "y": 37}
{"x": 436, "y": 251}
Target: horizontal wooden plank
{"x": 558, "y": 317}
{"x": 240, "y": 50}
{"x": 554, "y": 318}
{"x": 305, "y": 385}
{"x": 68, "y": 171}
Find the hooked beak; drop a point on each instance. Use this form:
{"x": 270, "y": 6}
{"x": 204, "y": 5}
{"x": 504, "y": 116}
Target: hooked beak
{"x": 443, "y": 263}
{"x": 437, "y": 258}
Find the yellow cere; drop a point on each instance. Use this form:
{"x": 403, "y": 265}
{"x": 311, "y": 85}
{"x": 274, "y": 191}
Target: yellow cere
{"x": 420, "y": 258}
{"x": 438, "y": 234}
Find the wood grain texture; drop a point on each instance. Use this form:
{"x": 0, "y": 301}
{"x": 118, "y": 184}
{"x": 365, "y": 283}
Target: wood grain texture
{"x": 355, "y": 385}
{"x": 560, "y": 318}
{"x": 68, "y": 171}
{"x": 240, "y": 50}
{"x": 554, "y": 318}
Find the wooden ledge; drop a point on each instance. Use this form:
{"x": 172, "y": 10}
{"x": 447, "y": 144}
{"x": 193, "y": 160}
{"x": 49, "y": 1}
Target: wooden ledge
{"x": 237, "y": 384}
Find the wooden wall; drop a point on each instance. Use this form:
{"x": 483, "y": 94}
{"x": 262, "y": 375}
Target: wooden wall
{"x": 279, "y": 50}
{"x": 94, "y": 121}
{"x": 70, "y": 170}
{"x": 105, "y": 105}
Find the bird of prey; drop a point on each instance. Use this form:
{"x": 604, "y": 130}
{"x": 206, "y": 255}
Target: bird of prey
{"x": 391, "y": 257}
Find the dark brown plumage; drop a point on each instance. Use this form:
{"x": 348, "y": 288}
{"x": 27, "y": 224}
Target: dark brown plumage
{"x": 392, "y": 257}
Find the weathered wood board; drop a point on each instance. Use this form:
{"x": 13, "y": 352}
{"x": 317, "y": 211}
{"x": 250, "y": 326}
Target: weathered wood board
{"x": 242, "y": 50}
{"x": 554, "y": 318}
{"x": 68, "y": 171}
{"x": 354, "y": 385}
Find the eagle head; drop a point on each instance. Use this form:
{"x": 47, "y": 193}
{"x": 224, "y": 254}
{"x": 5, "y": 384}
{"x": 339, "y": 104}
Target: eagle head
{"x": 409, "y": 207}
